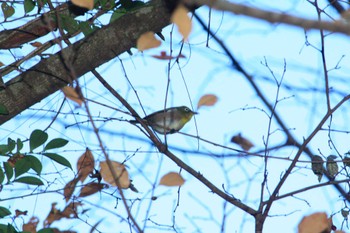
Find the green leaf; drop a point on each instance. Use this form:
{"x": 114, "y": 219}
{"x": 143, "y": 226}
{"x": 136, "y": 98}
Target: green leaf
{"x": 37, "y": 138}
{"x": 46, "y": 230}
{"x": 117, "y": 14}
{"x": 3, "y": 110}
{"x": 2, "y": 175}
{"x": 87, "y": 28}
{"x": 29, "y": 180}
{"x": 7, "y": 10}
{"x": 8, "y": 171}
{"x": 56, "y": 143}
{"x": 21, "y": 167}
{"x": 7, "y": 228}
{"x": 58, "y": 159}
{"x": 11, "y": 144}
{"x": 4, "y": 212}
{"x": 35, "y": 163}
{"x": 28, "y": 6}
{"x": 4, "y": 149}
{"x": 28, "y": 162}
{"x": 69, "y": 24}
{"x": 19, "y": 145}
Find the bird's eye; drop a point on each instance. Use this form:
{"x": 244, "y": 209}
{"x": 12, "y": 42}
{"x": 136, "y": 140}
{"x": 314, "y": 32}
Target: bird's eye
{"x": 187, "y": 110}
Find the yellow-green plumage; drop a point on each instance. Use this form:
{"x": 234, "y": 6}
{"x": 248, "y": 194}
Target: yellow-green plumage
{"x": 317, "y": 166}
{"x": 169, "y": 120}
{"x": 332, "y": 166}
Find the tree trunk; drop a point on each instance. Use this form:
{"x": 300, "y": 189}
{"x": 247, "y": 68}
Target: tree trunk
{"x": 51, "y": 74}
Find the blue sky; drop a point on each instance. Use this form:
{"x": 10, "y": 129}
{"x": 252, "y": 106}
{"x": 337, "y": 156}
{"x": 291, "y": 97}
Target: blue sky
{"x": 204, "y": 71}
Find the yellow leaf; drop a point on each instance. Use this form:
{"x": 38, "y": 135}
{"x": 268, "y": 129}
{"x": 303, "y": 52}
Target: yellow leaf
{"x": 89, "y": 4}
{"x": 85, "y": 165}
{"x": 172, "y": 179}
{"x": 207, "y": 100}
{"x": 147, "y": 41}
{"x": 242, "y": 141}
{"x": 182, "y": 20}
{"x": 317, "y": 222}
{"x": 119, "y": 170}
{"x": 71, "y": 94}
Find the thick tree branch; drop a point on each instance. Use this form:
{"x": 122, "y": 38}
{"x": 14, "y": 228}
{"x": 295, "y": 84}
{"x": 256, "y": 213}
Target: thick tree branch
{"x": 338, "y": 26}
{"x": 50, "y": 74}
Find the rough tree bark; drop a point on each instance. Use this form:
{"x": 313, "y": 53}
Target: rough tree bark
{"x": 51, "y": 74}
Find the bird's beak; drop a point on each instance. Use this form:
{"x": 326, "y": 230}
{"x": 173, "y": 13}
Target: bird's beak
{"x": 195, "y": 113}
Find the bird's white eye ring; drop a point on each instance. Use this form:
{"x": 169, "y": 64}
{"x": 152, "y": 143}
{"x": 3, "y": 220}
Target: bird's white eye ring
{"x": 187, "y": 110}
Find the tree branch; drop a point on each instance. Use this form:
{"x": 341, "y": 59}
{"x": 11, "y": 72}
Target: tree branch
{"x": 274, "y": 17}
{"x": 50, "y": 74}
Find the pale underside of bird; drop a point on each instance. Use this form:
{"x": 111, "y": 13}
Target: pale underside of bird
{"x": 169, "y": 120}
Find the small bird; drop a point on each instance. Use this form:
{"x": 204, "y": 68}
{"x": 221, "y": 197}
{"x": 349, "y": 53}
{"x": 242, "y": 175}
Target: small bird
{"x": 332, "y": 166}
{"x": 169, "y": 120}
{"x": 317, "y": 166}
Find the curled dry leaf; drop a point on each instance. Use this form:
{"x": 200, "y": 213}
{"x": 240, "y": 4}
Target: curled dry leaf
{"x": 91, "y": 188}
{"x": 53, "y": 215}
{"x": 31, "y": 225}
{"x": 36, "y": 44}
{"x": 85, "y": 165}
{"x": 70, "y": 93}
{"x": 207, "y": 100}
{"x": 164, "y": 56}
{"x": 122, "y": 175}
{"x": 147, "y": 41}
{"x": 20, "y": 212}
{"x": 182, "y": 20}
{"x": 242, "y": 142}
{"x": 89, "y": 4}
{"x": 70, "y": 211}
{"x": 172, "y": 179}
{"x": 317, "y": 222}
{"x": 69, "y": 188}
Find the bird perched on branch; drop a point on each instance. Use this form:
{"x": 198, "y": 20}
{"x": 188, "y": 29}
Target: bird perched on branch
{"x": 332, "y": 166}
{"x": 169, "y": 120}
{"x": 317, "y": 166}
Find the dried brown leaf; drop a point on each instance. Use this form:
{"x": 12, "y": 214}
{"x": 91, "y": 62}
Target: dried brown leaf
{"x": 147, "y": 41}
{"x": 20, "y": 212}
{"x": 69, "y": 188}
{"x": 85, "y": 165}
{"x": 31, "y": 225}
{"x": 71, "y": 210}
{"x": 172, "y": 179}
{"x": 55, "y": 230}
{"x": 317, "y": 222}
{"x": 89, "y": 4}
{"x": 242, "y": 142}
{"x": 164, "y": 56}
{"x": 53, "y": 215}
{"x": 207, "y": 100}
{"x": 120, "y": 171}
{"x": 36, "y": 44}
{"x": 182, "y": 20}
{"x": 91, "y": 188}
{"x": 70, "y": 93}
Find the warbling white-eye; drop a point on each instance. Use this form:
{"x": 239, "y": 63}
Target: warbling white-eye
{"x": 169, "y": 120}
{"x": 332, "y": 166}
